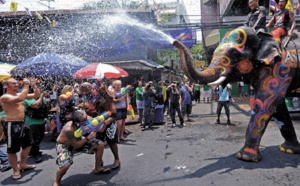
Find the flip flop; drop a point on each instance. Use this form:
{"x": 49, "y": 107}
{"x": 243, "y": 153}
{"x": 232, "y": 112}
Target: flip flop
{"x": 102, "y": 171}
{"x": 116, "y": 166}
{"x": 30, "y": 167}
{"x": 16, "y": 176}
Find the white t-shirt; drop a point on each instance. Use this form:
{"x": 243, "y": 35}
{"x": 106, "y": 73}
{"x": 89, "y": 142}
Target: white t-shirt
{"x": 53, "y": 95}
{"x": 242, "y": 84}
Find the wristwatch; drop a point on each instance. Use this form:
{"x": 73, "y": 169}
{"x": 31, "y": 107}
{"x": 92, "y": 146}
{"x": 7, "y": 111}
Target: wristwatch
{"x": 87, "y": 140}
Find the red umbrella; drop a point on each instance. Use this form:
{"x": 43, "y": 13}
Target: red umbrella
{"x": 96, "y": 70}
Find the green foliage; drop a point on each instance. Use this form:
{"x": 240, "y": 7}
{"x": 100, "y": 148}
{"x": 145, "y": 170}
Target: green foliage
{"x": 197, "y": 52}
{"x": 166, "y": 17}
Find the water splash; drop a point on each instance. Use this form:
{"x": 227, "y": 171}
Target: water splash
{"x": 93, "y": 37}
{"x": 115, "y": 20}
{"x": 107, "y": 36}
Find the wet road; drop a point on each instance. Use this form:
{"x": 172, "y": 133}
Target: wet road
{"x": 202, "y": 153}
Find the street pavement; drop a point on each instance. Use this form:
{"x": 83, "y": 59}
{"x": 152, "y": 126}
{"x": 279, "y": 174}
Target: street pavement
{"x": 201, "y": 153}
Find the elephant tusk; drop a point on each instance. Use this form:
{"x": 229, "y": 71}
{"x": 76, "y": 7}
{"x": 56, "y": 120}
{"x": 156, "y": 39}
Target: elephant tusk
{"x": 219, "y": 81}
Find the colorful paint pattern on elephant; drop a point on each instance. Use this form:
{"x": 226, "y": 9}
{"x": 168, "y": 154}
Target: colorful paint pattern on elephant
{"x": 290, "y": 58}
{"x": 245, "y": 66}
{"x": 235, "y": 39}
{"x": 273, "y": 87}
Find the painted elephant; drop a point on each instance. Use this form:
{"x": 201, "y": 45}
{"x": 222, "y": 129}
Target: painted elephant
{"x": 245, "y": 55}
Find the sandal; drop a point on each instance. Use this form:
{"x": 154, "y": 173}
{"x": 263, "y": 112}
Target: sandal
{"x": 16, "y": 176}
{"x": 30, "y": 167}
{"x": 101, "y": 171}
{"x": 116, "y": 166}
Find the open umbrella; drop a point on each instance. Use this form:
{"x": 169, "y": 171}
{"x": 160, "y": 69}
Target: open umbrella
{"x": 49, "y": 64}
{"x": 95, "y": 70}
{"x": 5, "y": 69}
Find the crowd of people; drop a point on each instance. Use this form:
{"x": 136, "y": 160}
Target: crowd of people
{"x": 27, "y": 104}
{"x": 27, "y": 107}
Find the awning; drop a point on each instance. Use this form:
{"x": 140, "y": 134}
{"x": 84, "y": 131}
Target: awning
{"x": 212, "y": 38}
{"x": 137, "y": 64}
{"x": 5, "y": 69}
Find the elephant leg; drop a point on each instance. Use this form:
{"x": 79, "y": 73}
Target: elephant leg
{"x": 264, "y": 107}
{"x": 256, "y": 128}
{"x": 291, "y": 144}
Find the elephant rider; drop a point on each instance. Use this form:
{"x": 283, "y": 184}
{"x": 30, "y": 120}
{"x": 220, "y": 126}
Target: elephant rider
{"x": 257, "y": 16}
{"x": 281, "y": 21}
{"x": 257, "y": 21}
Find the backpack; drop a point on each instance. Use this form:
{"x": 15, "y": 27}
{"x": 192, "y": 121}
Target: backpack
{"x": 159, "y": 97}
{"x": 38, "y": 113}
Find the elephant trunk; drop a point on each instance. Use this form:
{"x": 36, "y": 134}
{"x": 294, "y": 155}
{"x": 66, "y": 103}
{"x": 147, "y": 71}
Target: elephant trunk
{"x": 202, "y": 77}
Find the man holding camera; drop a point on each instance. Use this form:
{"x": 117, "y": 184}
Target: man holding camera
{"x": 224, "y": 93}
{"x": 149, "y": 107}
{"x": 186, "y": 104}
{"x": 175, "y": 102}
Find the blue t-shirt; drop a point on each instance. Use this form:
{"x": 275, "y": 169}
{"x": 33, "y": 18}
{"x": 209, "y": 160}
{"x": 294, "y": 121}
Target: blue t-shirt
{"x": 224, "y": 93}
{"x": 185, "y": 96}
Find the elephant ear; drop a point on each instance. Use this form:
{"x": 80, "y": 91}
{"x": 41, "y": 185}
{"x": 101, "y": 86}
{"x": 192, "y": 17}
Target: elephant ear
{"x": 252, "y": 39}
{"x": 268, "y": 48}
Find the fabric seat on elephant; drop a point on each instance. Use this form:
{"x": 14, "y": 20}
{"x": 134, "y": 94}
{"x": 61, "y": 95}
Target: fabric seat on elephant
{"x": 295, "y": 40}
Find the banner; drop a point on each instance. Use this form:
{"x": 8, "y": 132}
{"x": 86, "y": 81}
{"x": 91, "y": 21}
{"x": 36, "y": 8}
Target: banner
{"x": 289, "y": 6}
{"x": 186, "y": 36}
{"x": 13, "y": 6}
{"x": 273, "y": 6}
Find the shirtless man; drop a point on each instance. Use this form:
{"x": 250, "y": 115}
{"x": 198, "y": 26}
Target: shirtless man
{"x": 67, "y": 143}
{"x": 17, "y": 132}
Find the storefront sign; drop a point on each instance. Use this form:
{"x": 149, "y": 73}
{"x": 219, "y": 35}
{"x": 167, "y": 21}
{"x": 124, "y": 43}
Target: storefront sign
{"x": 199, "y": 63}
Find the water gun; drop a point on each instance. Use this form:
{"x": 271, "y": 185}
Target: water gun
{"x": 131, "y": 111}
{"x": 92, "y": 124}
{"x": 124, "y": 91}
{"x": 68, "y": 94}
